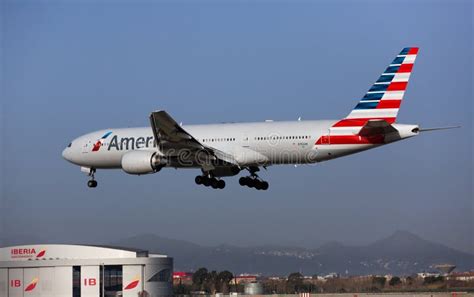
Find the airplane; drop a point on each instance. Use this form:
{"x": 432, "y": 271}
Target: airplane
{"x": 223, "y": 150}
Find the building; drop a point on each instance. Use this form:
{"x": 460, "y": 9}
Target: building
{"x": 427, "y": 274}
{"x": 462, "y": 276}
{"x": 182, "y": 277}
{"x": 253, "y": 288}
{"x": 56, "y": 270}
{"x": 331, "y": 275}
{"x": 446, "y": 269}
{"x": 243, "y": 279}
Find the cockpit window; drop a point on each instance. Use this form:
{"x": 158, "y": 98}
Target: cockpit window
{"x": 69, "y": 145}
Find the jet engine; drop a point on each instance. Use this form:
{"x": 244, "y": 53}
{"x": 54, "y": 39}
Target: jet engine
{"x": 142, "y": 162}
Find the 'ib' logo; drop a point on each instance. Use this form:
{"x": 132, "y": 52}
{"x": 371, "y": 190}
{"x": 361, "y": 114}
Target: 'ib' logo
{"x": 133, "y": 284}
{"x": 31, "y": 286}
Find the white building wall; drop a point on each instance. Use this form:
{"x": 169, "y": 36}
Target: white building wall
{"x": 132, "y": 283}
{"x": 3, "y": 282}
{"x": 90, "y": 281}
{"x": 62, "y": 283}
{"x": 15, "y": 281}
{"x": 28, "y": 252}
{"x": 31, "y": 282}
{"x": 158, "y": 280}
{"x": 46, "y": 277}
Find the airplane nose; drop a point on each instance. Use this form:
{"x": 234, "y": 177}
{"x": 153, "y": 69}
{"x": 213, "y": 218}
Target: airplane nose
{"x": 66, "y": 154}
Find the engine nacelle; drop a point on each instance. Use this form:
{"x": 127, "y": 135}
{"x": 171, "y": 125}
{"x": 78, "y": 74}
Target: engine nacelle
{"x": 142, "y": 162}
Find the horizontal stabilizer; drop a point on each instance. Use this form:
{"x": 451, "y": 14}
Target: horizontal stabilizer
{"x": 376, "y": 127}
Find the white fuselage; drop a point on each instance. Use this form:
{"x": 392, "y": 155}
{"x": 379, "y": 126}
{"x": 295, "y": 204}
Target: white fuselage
{"x": 260, "y": 144}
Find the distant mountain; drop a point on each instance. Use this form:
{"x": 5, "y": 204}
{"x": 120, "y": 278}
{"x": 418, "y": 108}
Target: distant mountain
{"x": 402, "y": 253}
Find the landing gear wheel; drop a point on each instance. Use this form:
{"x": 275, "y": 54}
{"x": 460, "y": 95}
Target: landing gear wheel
{"x": 214, "y": 183}
{"x": 199, "y": 180}
{"x": 206, "y": 181}
{"x": 243, "y": 181}
{"x": 92, "y": 183}
{"x": 210, "y": 181}
{"x": 221, "y": 184}
{"x": 251, "y": 183}
{"x": 258, "y": 184}
{"x": 264, "y": 185}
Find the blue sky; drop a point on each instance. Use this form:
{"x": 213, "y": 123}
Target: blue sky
{"x": 76, "y": 66}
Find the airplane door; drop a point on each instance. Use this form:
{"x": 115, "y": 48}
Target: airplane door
{"x": 326, "y": 139}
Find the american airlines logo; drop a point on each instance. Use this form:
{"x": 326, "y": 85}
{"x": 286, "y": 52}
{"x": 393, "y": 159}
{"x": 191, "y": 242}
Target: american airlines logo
{"x": 26, "y": 253}
{"x": 130, "y": 143}
{"x": 100, "y": 142}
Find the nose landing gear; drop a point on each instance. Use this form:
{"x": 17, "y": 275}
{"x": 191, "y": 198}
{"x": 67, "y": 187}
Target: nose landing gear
{"x": 92, "y": 183}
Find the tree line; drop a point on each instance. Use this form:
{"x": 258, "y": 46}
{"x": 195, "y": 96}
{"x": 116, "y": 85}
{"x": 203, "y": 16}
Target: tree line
{"x": 212, "y": 282}
{"x": 206, "y": 281}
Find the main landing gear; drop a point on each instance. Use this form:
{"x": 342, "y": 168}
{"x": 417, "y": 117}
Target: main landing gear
{"x": 253, "y": 181}
{"x": 92, "y": 183}
{"x": 210, "y": 181}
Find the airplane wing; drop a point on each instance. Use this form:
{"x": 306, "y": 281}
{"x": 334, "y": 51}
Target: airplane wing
{"x": 173, "y": 140}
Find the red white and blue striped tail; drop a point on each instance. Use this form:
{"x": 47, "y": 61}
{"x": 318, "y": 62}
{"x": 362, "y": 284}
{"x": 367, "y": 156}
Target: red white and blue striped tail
{"x": 383, "y": 99}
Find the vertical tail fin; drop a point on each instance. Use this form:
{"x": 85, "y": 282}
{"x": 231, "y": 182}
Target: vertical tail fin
{"x": 383, "y": 99}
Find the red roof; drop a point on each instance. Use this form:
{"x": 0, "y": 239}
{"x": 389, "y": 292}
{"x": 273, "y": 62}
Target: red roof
{"x": 182, "y": 274}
